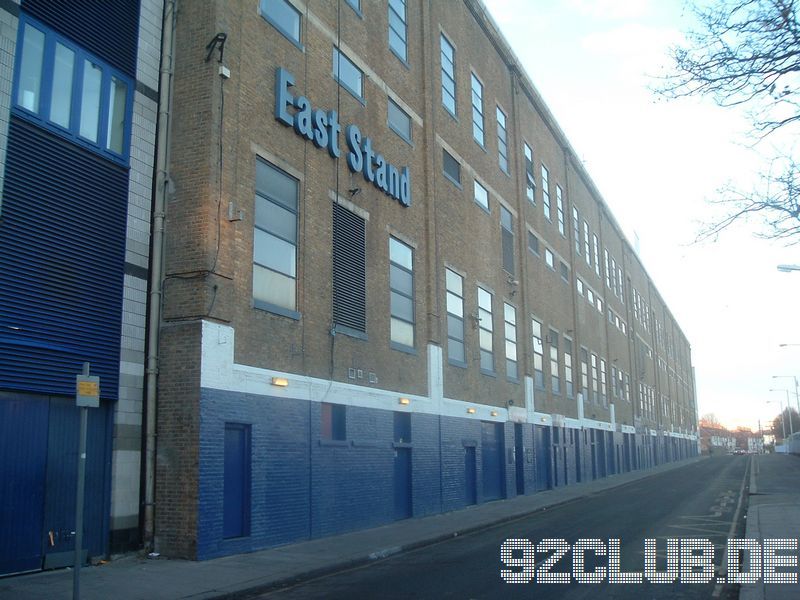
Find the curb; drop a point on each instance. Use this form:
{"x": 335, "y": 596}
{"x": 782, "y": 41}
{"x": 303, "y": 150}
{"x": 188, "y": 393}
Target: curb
{"x": 381, "y": 554}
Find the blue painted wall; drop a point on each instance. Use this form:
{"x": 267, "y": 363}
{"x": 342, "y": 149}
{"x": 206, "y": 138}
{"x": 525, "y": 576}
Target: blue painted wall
{"x": 303, "y": 487}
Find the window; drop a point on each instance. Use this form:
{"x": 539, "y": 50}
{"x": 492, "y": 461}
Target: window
{"x": 555, "y": 380}
{"x": 620, "y": 285}
{"x": 546, "y": 193}
{"x": 485, "y": 330}
{"x": 564, "y": 272}
{"x": 349, "y": 272}
{"x": 579, "y": 284}
{"x": 576, "y": 229}
{"x": 70, "y": 92}
{"x": 560, "y": 211}
{"x": 530, "y": 180}
{"x": 510, "y": 315}
{"x": 596, "y": 248}
{"x": 275, "y": 240}
{"x": 507, "y": 239}
{"x": 533, "y": 243}
{"x": 615, "y": 389}
{"x": 585, "y": 374}
{"x": 586, "y": 244}
{"x": 455, "y": 317}
{"x": 477, "y": 110}
{"x": 401, "y": 285}
{"x": 448, "y": 58}
{"x": 348, "y": 75}
{"x": 502, "y": 140}
{"x": 355, "y": 4}
{"x": 549, "y": 259}
{"x": 452, "y": 168}
{"x": 568, "y": 366}
{"x": 333, "y": 421}
{"x": 283, "y": 16}
{"x": 399, "y": 121}
{"x": 538, "y": 354}
{"x": 481, "y": 196}
{"x": 595, "y": 387}
{"x": 608, "y": 268}
{"x": 603, "y": 389}
{"x": 398, "y": 29}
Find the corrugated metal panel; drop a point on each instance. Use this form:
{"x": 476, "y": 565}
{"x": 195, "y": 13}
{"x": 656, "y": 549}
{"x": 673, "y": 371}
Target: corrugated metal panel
{"x": 349, "y": 269}
{"x": 62, "y": 243}
{"x": 109, "y": 29}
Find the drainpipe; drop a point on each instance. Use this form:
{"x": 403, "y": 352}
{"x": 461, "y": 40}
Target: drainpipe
{"x": 156, "y": 266}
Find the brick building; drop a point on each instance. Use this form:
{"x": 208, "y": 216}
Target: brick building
{"x": 77, "y": 136}
{"x": 390, "y": 288}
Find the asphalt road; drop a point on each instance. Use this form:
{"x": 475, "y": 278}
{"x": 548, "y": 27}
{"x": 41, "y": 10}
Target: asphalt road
{"x": 701, "y": 500}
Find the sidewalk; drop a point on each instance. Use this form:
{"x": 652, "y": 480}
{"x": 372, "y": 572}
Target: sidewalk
{"x": 132, "y": 577}
{"x": 773, "y": 512}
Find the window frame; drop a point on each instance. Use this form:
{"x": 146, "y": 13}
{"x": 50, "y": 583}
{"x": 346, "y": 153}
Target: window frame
{"x": 486, "y": 325}
{"x": 391, "y": 103}
{"x": 41, "y": 115}
{"x": 555, "y": 362}
{"x": 456, "y": 182}
{"x": 265, "y": 305}
{"x": 279, "y": 26}
{"x": 458, "y": 296}
{"x": 538, "y": 353}
{"x": 530, "y": 174}
{"x": 451, "y": 75}
{"x": 404, "y": 38}
{"x": 397, "y": 265}
{"x": 357, "y": 94}
{"x": 502, "y": 140}
{"x": 477, "y": 184}
{"x": 477, "y": 110}
{"x": 547, "y": 209}
{"x": 560, "y": 211}
{"x": 510, "y": 335}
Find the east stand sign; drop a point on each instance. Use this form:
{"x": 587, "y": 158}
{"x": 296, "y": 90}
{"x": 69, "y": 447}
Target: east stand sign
{"x": 322, "y": 129}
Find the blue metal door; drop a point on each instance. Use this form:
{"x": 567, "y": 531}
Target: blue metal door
{"x": 541, "y": 436}
{"x": 236, "y": 481}
{"x": 402, "y": 483}
{"x": 23, "y": 461}
{"x": 492, "y": 460}
{"x": 470, "y": 476}
{"x": 62, "y": 470}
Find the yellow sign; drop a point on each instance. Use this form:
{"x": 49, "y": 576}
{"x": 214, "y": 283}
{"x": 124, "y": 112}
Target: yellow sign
{"x": 88, "y": 388}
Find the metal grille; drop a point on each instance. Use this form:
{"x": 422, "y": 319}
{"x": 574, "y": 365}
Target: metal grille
{"x": 349, "y": 269}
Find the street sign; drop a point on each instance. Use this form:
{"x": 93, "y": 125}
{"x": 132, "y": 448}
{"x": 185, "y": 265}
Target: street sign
{"x": 87, "y": 391}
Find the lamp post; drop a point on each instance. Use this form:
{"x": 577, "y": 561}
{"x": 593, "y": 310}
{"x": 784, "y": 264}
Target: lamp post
{"x": 796, "y": 395}
{"x": 783, "y": 419}
{"x": 788, "y": 409}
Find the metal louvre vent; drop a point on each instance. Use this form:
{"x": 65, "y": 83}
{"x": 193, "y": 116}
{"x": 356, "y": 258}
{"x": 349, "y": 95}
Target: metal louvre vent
{"x": 109, "y": 29}
{"x": 349, "y": 269}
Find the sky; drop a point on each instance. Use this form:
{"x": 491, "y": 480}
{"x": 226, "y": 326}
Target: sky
{"x": 657, "y": 163}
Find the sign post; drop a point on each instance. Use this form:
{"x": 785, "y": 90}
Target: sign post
{"x": 87, "y": 395}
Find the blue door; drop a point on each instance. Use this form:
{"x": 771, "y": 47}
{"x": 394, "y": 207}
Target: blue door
{"x": 236, "y": 481}
{"x": 470, "y": 476}
{"x": 23, "y": 463}
{"x": 492, "y": 460}
{"x": 62, "y": 473}
{"x": 402, "y": 483}
{"x": 541, "y": 436}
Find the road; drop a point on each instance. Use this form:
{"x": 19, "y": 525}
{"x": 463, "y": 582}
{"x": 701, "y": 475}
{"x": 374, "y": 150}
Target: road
{"x": 702, "y": 500}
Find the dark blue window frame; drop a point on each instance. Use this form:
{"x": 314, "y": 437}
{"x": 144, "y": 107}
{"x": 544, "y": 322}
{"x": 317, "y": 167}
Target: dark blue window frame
{"x": 41, "y": 117}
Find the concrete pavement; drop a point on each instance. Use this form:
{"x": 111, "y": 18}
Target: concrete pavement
{"x": 134, "y": 577}
{"x": 773, "y": 513}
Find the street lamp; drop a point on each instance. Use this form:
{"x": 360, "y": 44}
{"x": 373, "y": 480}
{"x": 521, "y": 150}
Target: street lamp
{"x": 796, "y": 395}
{"x": 783, "y": 418}
{"x": 787, "y": 268}
{"x": 791, "y": 427}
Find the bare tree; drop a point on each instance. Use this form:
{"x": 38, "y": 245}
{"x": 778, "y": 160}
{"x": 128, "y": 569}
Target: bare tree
{"x": 746, "y": 53}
